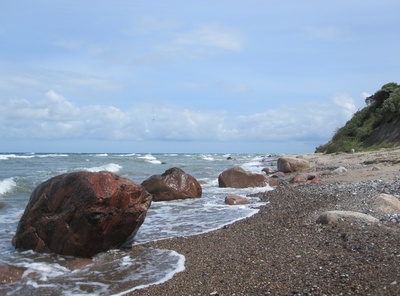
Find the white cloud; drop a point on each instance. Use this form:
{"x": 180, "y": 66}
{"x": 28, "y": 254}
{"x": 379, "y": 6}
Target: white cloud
{"x": 327, "y": 33}
{"x": 365, "y": 95}
{"x": 69, "y": 44}
{"x": 40, "y": 80}
{"x": 204, "y": 40}
{"x": 212, "y": 36}
{"x": 151, "y": 24}
{"x": 299, "y": 121}
{"x": 346, "y": 103}
{"x": 55, "y": 117}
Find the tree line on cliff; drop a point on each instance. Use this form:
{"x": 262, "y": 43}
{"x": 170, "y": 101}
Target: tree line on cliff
{"x": 375, "y": 126}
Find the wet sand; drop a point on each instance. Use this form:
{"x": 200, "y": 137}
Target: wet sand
{"x": 282, "y": 251}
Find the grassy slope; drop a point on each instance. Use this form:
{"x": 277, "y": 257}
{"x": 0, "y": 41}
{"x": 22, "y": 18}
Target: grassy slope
{"x": 375, "y": 126}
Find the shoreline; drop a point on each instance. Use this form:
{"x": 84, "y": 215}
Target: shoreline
{"x": 282, "y": 251}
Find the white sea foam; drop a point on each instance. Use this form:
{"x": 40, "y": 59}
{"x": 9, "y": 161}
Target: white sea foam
{"x": 7, "y": 185}
{"x": 50, "y": 155}
{"x": 10, "y": 156}
{"x": 30, "y": 155}
{"x": 150, "y": 158}
{"x": 255, "y": 165}
{"x": 46, "y": 270}
{"x": 179, "y": 267}
{"x": 6, "y": 156}
{"x": 147, "y": 157}
{"x": 36, "y": 285}
{"x": 102, "y": 154}
{"x": 208, "y": 157}
{"x": 110, "y": 167}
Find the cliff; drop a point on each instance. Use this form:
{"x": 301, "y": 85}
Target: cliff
{"x": 375, "y": 126}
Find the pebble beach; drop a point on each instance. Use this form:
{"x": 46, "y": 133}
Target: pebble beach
{"x": 281, "y": 250}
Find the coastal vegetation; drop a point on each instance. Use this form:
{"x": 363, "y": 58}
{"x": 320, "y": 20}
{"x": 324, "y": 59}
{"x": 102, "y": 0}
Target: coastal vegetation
{"x": 375, "y": 126}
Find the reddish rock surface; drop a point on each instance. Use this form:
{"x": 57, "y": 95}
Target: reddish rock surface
{"x": 304, "y": 178}
{"x": 268, "y": 171}
{"x": 173, "y": 184}
{"x": 81, "y": 214}
{"x": 316, "y": 180}
{"x": 273, "y": 182}
{"x": 278, "y": 175}
{"x": 288, "y": 165}
{"x": 237, "y": 177}
{"x": 236, "y": 200}
{"x": 299, "y": 178}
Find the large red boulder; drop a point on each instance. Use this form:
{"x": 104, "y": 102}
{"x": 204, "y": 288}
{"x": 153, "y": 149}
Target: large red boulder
{"x": 82, "y": 214}
{"x": 173, "y": 184}
{"x": 238, "y": 177}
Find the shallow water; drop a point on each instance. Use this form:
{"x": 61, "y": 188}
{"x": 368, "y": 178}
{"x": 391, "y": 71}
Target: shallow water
{"x": 111, "y": 272}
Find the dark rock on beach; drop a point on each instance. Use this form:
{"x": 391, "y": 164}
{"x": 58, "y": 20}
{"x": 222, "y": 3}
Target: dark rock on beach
{"x": 238, "y": 177}
{"x": 303, "y": 178}
{"x": 289, "y": 164}
{"x": 173, "y": 184}
{"x": 81, "y": 214}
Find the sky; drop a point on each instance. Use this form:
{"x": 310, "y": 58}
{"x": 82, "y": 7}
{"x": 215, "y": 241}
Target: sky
{"x": 178, "y": 76}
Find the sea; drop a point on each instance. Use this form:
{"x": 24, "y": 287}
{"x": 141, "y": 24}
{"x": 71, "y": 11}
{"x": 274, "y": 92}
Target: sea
{"x": 118, "y": 272}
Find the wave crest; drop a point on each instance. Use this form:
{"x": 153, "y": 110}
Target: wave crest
{"x": 7, "y": 185}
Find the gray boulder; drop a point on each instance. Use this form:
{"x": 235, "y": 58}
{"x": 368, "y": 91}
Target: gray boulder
{"x": 385, "y": 204}
{"x": 341, "y": 216}
{"x": 289, "y": 165}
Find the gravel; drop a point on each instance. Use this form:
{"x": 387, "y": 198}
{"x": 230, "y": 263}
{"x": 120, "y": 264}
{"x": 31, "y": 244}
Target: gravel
{"x": 282, "y": 251}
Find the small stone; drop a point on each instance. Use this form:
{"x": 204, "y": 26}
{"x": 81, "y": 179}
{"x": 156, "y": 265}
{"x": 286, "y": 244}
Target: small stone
{"x": 340, "y": 170}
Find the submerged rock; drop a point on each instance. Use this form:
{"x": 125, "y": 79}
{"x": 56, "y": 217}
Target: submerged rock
{"x": 9, "y": 273}
{"x": 236, "y": 200}
{"x": 172, "y": 184}
{"x": 82, "y": 214}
